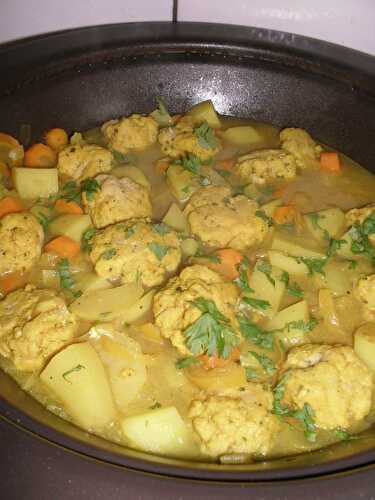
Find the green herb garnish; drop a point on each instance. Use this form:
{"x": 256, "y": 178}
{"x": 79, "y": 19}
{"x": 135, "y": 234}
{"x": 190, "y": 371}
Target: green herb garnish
{"x": 108, "y": 254}
{"x": 359, "y": 234}
{"x": 71, "y": 192}
{"x": 90, "y": 187}
{"x": 314, "y": 265}
{"x": 160, "y": 251}
{"x": 43, "y": 220}
{"x": 262, "y": 214}
{"x": 251, "y": 373}
{"x": 211, "y": 333}
{"x": 265, "y": 362}
{"x": 86, "y": 240}
{"x": 306, "y": 416}
{"x": 344, "y": 435}
{"x": 315, "y": 218}
{"x": 66, "y": 280}
{"x": 72, "y": 370}
{"x": 255, "y": 334}
{"x": 243, "y": 279}
{"x": 256, "y": 303}
{"x": 161, "y": 228}
{"x": 190, "y": 162}
{"x": 334, "y": 245}
{"x": 278, "y": 396}
{"x": 161, "y": 114}
{"x": 206, "y": 136}
{"x": 185, "y": 362}
{"x": 127, "y": 158}
{"x": 306, "y": 327}
{"x": 293, "y": 289}
{"x": 266, "y": 268}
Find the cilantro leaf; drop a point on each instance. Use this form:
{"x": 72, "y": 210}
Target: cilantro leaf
{"x": 108, "y": 254}
{"x": 160, "y": 251}
{"x": 278, "y": 396}
{"x": 293, "y": 289}
{"x": 211, "y": 332}
{"x": 314, "y": 265}
{"x": 256, "y": 303}
{"x": 86, "y": 240}
{"x": 161, "y": 114}
{"x": 190, "y": 162}
{"x": 206, "y": 136}
{"x": 315, "y": 218}
{"x": 43, "y": 220}
{"x": 251, "y": 373}
{"x": 71, "y": 192}
{"x": 161, "y": 228}
{"x": 243, "y": 279}
{"x": 126, "y": 158}
{"x": 90, "y": 187}
{"x": 344, "y": 435}
{"x": 262, "y": 214}
{"x": 334, "y": 245}
{"x": 255, "y": 334}
{"x": 266, "y": 268}
{"x": 306, "y": 416}
{"x": 265, "y": 362}
{"x": 66, "y": 280}
{"x": 306, "y": 327}
{"x": 185, "y": 362}
{"x": 359, "y": 234}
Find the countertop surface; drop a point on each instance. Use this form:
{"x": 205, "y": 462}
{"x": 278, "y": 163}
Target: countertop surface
{"x": 35, "y": 470}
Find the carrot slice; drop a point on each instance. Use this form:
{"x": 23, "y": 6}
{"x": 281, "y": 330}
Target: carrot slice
{"x": 279, "y": 193}
{"x": 228, "y": 261}
{"x": 12, "y": 281}
{"x": 56, "y": 138}
{"x": 330, "y": 161}
{"x": 209, "y": 362}
{"x": 285, "y": 215}
{"x": 40, "y": 156}
{"x": 8, "y": 139}
{"x": 63, "y": 246}
{"x": 226, "y": 165}
{"x": 67, "y": 207}
{"x": 9, "y": 205}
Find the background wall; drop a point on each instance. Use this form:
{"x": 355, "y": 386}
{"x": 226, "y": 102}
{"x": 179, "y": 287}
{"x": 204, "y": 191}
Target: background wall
{"x": 347, "y": 22}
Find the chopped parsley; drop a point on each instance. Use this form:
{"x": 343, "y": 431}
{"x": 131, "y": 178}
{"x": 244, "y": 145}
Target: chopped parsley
{"x": 293, "y": 289}
{"x": 251, "y": 373}
{"x": 314, "y": 265}
{"x": 160, "y": 251}
{"x": 90, "y": 187}
{"x": 315, "y": 218}
{"x": 66, "y": 280}
{"x": 265, "y": 362}
{"x": 266, "y": 268}
{"x": 108, "y": 254}
{"x": 190, "y": 162}
{"x": 161, "y": 228}
{"x": 206, "y": 136}
{"x": 344, "y": 435}
{"x": 306, "y": 327}
{"x": 43, "y": 220}
{"x": 256, "y": 303}
{"x": 77, "y": 368}
{"x": 255, "y": 334}
{"x": 86, "y": 240}
{"x": 71, "y": 192}
{"x": 334, "y": 245}
{"x": 359, "y": 234}
{"x": 278, "y": 396}
{"x": 185, "y": 362}
{"x": 243, "y": 279}
{"x": 262, "y": 214}
{"x": 306, "y": 416}
{"x": 211, "y": 333}
{"x": 161, "y": 114}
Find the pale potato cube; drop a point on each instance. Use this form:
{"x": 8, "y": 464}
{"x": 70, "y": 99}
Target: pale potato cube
{"x": 33, "y": 183}
{"x": 265, "y": 290}
{"x": 105, "y": 305}
{"x": 138, "y": 310}
{"x": 175, "y": 219}
{"x": 243, "y": 135}
{"x": 159, "y": 431}
{"x": 364, "y": 344}
{"x": 133, "y": 173}
{"x": 77, "y": 377}
{"x": 291, "y": 321}
{"x": 189, "y": 247}
{"x": 90, "y": 282}
{"x": 325, "y": 224}
{"x": 181, "y": 182}
{"x": 205, "y": 112}
{"x": 287, "y": 263}
{"x": 70, "y": 225}
{"x": 285, "y": 244}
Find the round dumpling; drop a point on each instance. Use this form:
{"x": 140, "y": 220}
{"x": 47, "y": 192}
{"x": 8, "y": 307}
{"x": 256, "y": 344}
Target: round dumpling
{"x": 134, "y": 133}
{"x": 136, "y": 250}
{"x": 21, "y": 241}
{"x": 81, "y": 161}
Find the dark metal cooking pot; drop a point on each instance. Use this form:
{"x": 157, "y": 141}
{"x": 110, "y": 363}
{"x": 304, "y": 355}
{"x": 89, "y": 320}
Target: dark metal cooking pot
{"x": 78, "y": 79}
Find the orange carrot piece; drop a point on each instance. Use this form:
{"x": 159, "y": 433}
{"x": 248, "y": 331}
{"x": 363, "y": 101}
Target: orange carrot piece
{"x": 330, "y": 161}
{"x": 40, "y": 156}
{"x": 63, "y": 246}
{"x": 9, "y": 205}
{"x": 226, "y": 165}
{"x": 56, "y": 138}
{"x": 12, "y": 281}
{"x": 67, "y": 207}
{"x": 285, "y": 215}
{"x": 210, "y": 362}
{"x": 279, "y": 193}
{"x": 5, "y": 170}
{"x": 161, "y": 166}
{"x": 228, "y": 265}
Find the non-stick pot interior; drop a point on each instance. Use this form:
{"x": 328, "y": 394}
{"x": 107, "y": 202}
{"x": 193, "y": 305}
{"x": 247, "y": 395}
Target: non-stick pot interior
{"x": 81, "y": 78}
